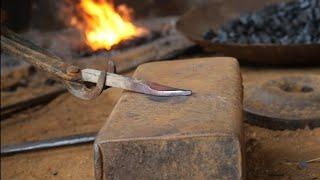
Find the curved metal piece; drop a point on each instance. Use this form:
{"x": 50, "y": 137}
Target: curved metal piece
{"x": 81, "y": 91}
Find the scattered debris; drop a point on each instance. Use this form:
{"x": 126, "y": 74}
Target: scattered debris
{"x": 303, "y": 165}
{"x": 314, "y": 160}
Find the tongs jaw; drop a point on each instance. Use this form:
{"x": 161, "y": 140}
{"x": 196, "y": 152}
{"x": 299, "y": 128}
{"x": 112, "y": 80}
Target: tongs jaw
{"x": 81, "y": 91}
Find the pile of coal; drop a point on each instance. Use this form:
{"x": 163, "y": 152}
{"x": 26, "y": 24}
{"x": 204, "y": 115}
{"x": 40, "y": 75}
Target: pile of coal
{"x": 294, "y": 22}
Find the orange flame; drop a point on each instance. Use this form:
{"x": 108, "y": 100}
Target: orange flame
{"x": 103, "y": 26}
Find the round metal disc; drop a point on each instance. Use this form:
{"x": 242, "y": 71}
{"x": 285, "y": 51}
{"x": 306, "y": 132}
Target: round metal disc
{"x": 285, "y": 103}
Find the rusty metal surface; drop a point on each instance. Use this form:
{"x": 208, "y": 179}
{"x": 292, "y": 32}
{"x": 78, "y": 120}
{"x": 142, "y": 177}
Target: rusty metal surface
{"x": 85, "y": 93}
{"x": 197, "y": 136}
{"x": 199, "y": 20}
{"x": 14, "y": 45}
{"x": 289, "y": 102}
{"x": 82, "y": 92}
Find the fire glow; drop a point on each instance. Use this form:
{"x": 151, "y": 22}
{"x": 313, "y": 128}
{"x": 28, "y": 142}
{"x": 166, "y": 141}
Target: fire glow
{"x": 103, "y": 25}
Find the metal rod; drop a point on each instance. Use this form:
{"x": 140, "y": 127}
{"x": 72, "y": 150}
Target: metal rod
{"x": 48, "y": 143}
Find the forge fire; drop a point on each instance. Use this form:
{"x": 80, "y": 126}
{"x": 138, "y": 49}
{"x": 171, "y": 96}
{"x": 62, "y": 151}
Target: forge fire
{"x": 103, "y": 24}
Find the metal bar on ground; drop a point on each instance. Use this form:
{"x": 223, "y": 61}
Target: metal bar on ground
{"x": 48, "y": 143}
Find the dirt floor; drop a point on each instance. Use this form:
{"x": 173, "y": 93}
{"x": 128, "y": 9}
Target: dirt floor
{"x": 281, "y": 154}
{"x": 270, "y": 154}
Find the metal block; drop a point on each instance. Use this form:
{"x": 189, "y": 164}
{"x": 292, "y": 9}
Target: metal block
{"x": 187, "y": 137}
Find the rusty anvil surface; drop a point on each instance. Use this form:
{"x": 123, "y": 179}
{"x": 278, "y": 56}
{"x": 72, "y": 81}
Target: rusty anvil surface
{"x": 197, "y": 136}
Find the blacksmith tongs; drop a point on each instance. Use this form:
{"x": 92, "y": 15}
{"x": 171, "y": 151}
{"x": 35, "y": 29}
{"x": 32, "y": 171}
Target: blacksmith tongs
{"x": 75, "y": 78}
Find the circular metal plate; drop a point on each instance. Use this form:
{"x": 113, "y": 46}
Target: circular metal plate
{"x": 285, "y": 103}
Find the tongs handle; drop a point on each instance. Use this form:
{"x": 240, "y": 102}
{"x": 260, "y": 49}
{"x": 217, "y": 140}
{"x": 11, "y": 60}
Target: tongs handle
{"x": 12, "y": 44}
{"x": 40, "y": 58}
